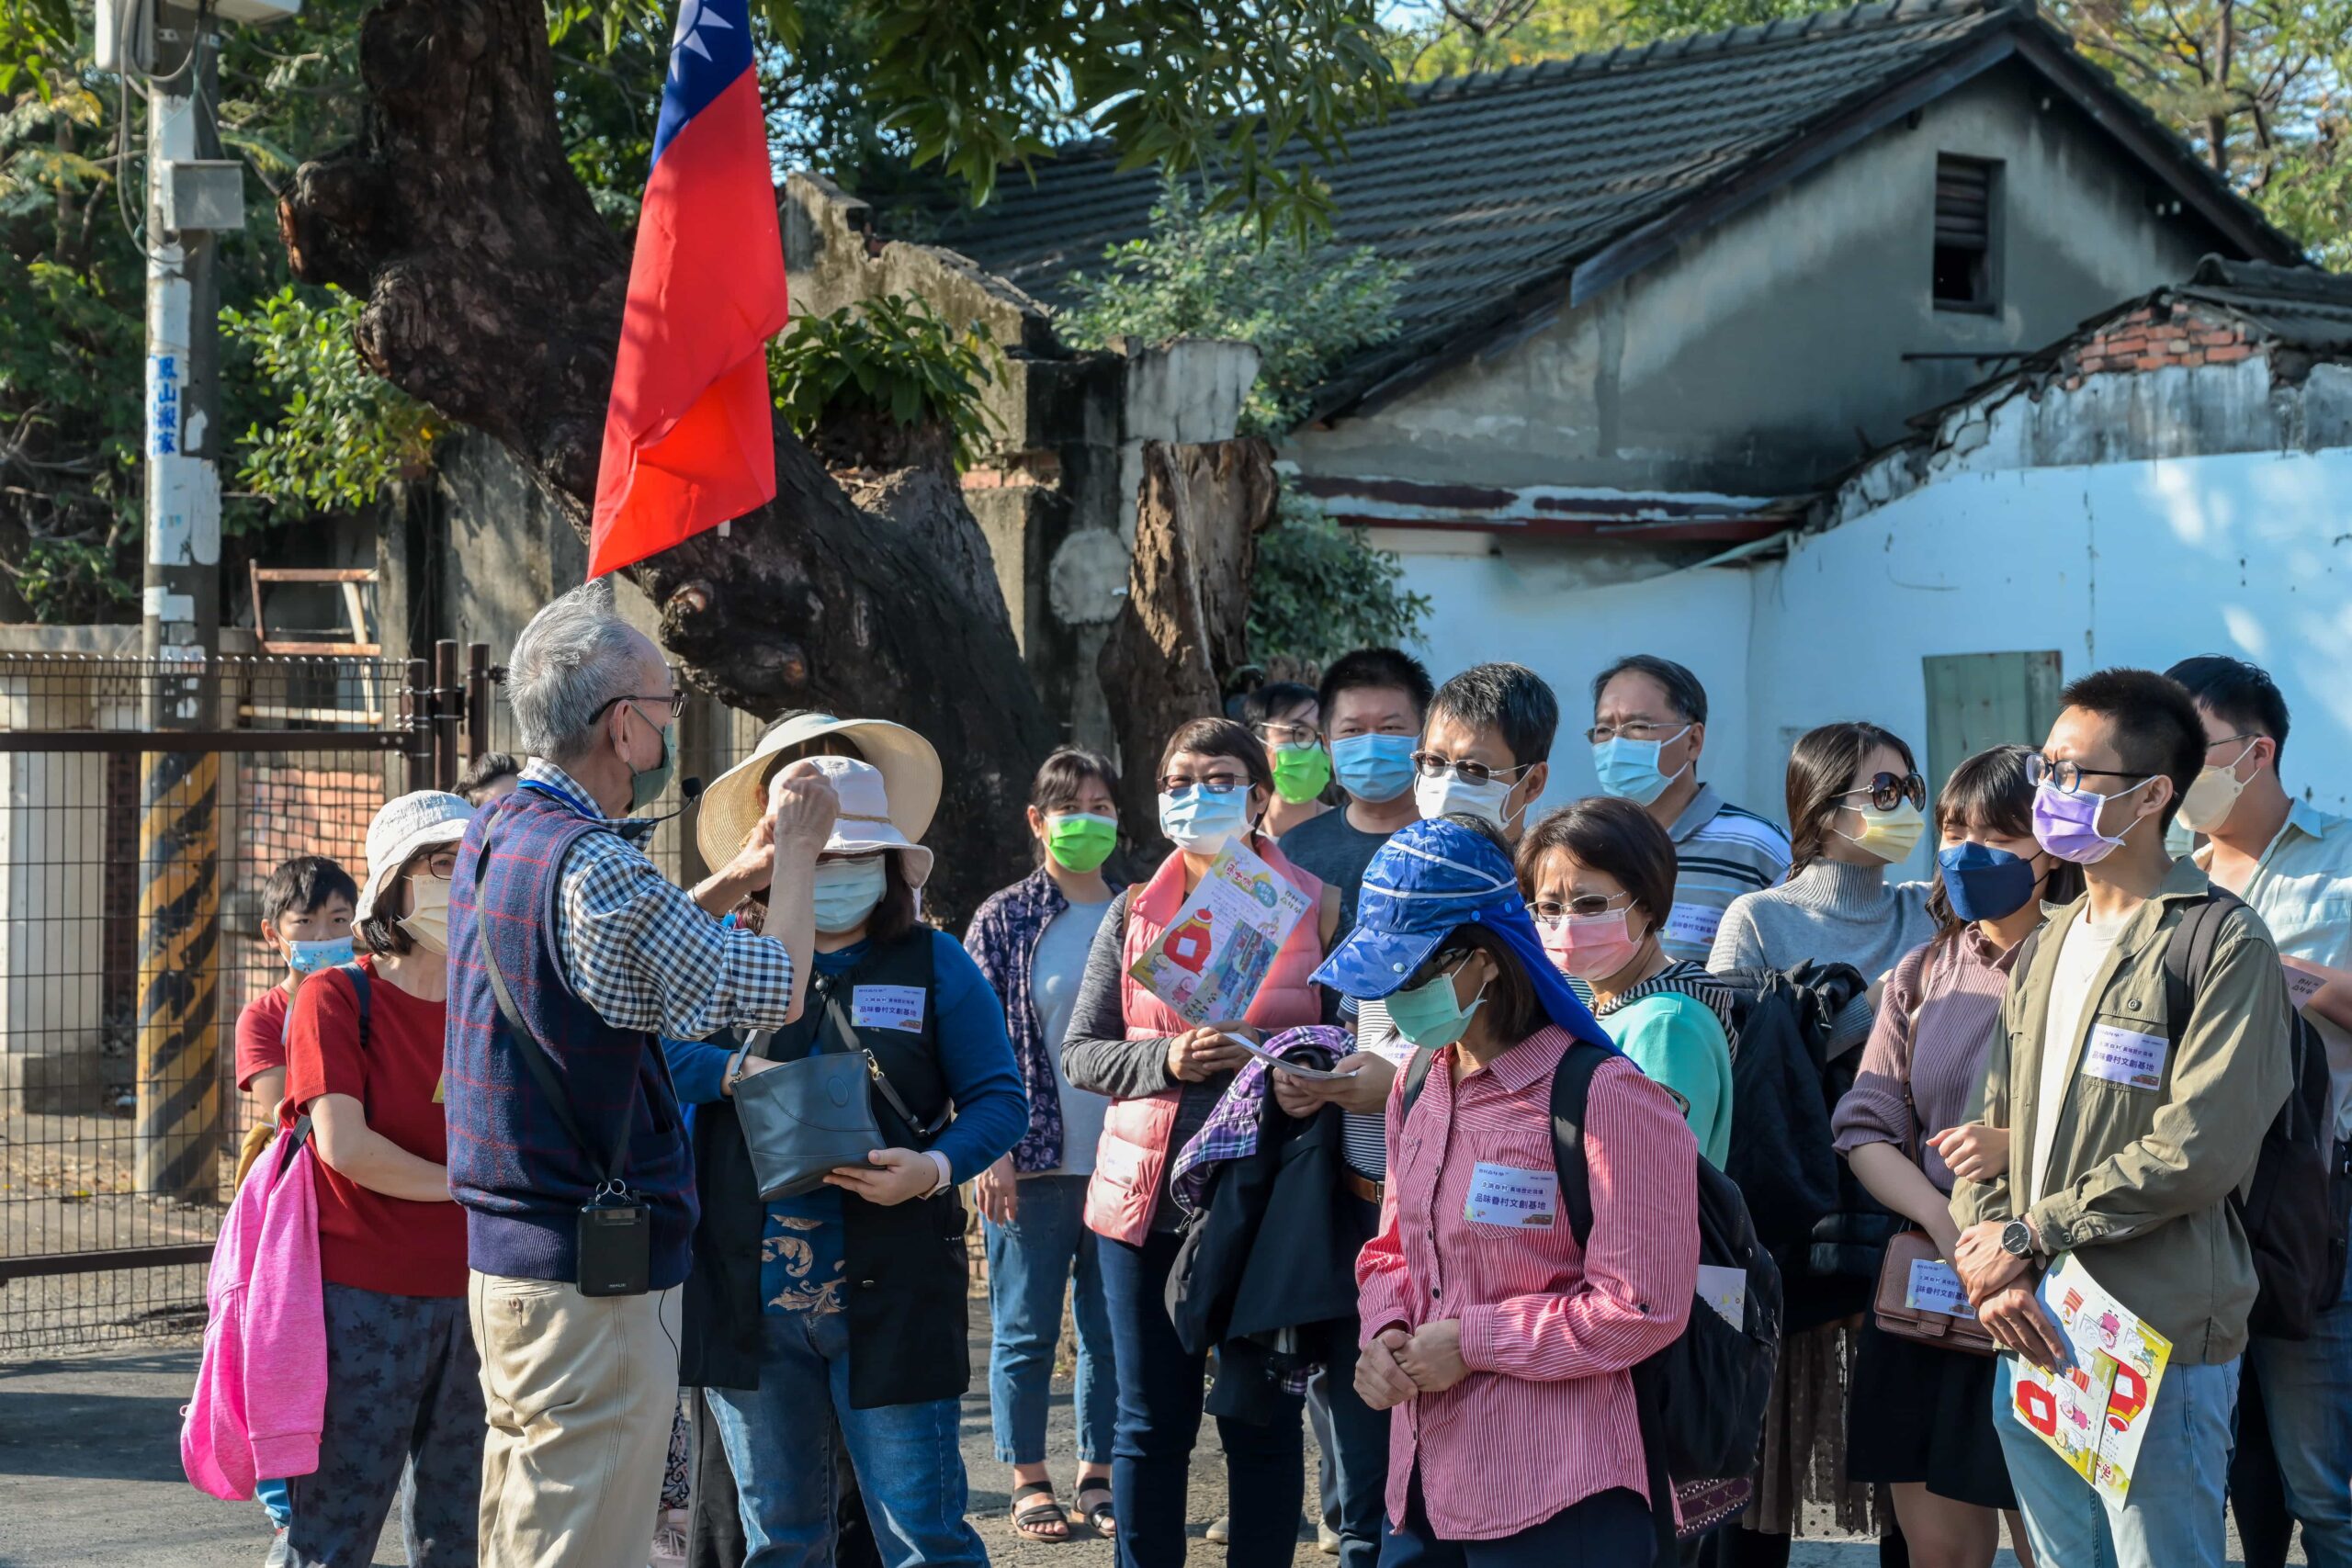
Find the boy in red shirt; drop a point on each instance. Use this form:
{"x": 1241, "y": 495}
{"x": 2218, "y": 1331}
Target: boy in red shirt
{"x": 306, "y": 909}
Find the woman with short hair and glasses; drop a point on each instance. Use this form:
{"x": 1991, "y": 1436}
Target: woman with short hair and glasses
{"x": 364, "y": 1063}
{"x": 1856, "y": 805}
{"x": 1164, "y": 1077}
{"x": 1288, "y": 719}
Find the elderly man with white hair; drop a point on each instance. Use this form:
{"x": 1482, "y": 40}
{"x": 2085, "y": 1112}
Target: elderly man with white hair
{"x": 569, "y": 953}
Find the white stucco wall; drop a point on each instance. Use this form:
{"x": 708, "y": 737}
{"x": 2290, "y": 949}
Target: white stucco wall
{"x": 2123, "y": 563}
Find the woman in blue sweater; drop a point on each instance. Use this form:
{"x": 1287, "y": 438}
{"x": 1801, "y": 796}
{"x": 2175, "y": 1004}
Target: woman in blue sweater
{"x": 850, "y": 1299}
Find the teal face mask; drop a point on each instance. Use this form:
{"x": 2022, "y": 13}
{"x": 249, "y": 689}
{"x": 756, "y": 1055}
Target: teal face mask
{"x": 645, "y": 788}
{"x": 1428, "y": 1015}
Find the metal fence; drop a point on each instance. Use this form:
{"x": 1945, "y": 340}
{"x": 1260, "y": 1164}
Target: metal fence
{"x": 131, "y": 865}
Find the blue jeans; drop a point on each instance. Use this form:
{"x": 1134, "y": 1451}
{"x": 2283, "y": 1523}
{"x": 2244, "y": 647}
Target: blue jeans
{"x": 1032, "y": 1262}
{"x": 2173, "y": 1515}
{"x": 1161, "y": 1394}
{"x": 784, "y": 1441}
{"x": 2302, "y": 1390}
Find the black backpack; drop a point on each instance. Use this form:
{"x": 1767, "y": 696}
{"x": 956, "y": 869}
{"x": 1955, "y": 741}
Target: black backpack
{"x": 2290, "y": 1216}
{"x": 1701, "y": 1399}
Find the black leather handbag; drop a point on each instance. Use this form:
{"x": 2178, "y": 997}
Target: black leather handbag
{"x": 803, "y": 1119}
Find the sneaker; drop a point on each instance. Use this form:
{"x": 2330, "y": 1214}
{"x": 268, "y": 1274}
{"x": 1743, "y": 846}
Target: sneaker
{"x": 1326, "y": 1539}
{"x": 669, "y": 1540}
{"x": 1221, "y": 1531}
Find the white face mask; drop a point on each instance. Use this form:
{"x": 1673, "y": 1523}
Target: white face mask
{"x": 1449, "y": 794}
{"x": 2213, "y": 795}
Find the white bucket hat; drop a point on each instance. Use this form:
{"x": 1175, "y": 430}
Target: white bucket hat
{"x": 863, "y": 826}
{"x": 732, "y": 806}
{"x": 424, "y": 820}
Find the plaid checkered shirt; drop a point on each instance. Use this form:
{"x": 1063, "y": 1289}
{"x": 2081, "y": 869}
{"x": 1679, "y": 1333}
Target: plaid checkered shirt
{"x": 637, "y": 948}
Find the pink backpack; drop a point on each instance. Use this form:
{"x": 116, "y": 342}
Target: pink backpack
{"x": 261, "y": 1387}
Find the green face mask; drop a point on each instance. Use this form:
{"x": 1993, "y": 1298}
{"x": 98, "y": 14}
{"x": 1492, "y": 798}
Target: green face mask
{"x": 645, "y": 788}
{"x": 1428, "y": 1015}
{"x": 1081, "y": 841}
{"x": 1301, "y": 773}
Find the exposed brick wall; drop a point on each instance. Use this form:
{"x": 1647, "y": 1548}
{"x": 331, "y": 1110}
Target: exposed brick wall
{"x": 2157, "y": 336}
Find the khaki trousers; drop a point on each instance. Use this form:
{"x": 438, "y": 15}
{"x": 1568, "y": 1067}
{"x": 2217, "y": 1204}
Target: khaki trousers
{"x": 580, "y": 1393}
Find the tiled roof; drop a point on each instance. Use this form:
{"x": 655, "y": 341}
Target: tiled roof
{"x": 2302, "y": 307}
{"x": 1493, "y": 187}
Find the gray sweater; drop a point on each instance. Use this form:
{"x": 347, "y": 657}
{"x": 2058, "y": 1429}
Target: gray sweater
{"x": 1831, "y": 913}
{"x": 1097, "y": 1056}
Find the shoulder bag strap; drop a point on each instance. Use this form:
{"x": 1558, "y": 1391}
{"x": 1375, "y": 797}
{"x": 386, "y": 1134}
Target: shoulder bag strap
{"x": 526, "y": 1044}
{"x": 873, "y": 1070}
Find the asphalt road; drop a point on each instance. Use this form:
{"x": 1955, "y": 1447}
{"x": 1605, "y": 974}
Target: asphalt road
{"x": 90, "y": 1476}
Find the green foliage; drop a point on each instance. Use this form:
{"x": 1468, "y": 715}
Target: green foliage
{"x": 891, "y": 358}
{"x": 1320, "y": 592}
{"x": 343, "y": 432}
{"x": 1306, "y": 305}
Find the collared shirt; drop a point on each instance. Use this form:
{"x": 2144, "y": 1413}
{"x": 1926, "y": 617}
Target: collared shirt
{"x": 1926, "y": 1056}
{"x": 1720, "y": 851}
{"x": 1549, "y": 1329}
{"x": 639, "y": 950}
{"x": 2302, "y": 889}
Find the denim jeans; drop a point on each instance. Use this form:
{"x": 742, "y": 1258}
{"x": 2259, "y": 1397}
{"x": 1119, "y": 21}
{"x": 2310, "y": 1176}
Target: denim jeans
{"x": 2300, "y": 1394}
{"x": 1045, "y": 1253}
{"x": 1161, "y": 1394}
{"x": 1607, "y": 1529}
{"x": 785, "y": 1441}
{"x": 1355, "y": 1455}
{"x": 2172, "y": 1517}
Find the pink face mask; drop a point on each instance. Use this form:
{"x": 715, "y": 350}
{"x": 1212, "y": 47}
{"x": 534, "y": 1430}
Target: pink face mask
{"x": 1590, "y": 947}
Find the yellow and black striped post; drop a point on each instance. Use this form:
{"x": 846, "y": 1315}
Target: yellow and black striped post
{"x": 177, "y": 1141}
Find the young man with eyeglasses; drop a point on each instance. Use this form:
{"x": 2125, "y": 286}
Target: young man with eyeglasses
{"x": 1649, "y": 726}
{"x": 2131, "y": 1129}
{"x": 1486, "y": 747}
{"x": 2294, "y": 863}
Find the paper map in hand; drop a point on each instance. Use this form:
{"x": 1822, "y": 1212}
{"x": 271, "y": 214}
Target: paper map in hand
{"x": 1217, "y": 949}
{"x": 2093, "y": 1414}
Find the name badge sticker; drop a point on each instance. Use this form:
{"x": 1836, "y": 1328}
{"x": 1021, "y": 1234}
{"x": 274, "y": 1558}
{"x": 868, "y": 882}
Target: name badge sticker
{"x": 1933, "y": 1287}
{"x": 1506, "y": 1195}
{"x": 1694, "y": 923}
{"x": 2125, "y": 1056}
{"x": 888, "y": 1007}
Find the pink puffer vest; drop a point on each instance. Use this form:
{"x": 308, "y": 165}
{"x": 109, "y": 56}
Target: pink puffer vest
{"x": 1132, "y": 1150}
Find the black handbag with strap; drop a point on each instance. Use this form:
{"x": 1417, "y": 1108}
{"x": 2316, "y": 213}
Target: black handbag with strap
{"x": 804, "y": 1118}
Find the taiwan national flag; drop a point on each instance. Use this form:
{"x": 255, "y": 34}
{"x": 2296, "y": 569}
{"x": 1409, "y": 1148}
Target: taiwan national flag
{"x": 689, "y": 441}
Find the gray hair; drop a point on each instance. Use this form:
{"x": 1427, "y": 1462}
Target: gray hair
{"x": 574, "y": 658}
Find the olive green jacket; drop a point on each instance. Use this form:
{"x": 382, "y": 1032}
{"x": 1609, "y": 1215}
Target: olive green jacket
{"x": 2139, "y": 1178}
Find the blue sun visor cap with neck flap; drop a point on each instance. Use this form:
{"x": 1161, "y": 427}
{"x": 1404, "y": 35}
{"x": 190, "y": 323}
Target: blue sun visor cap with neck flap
{"x": 1432, "y": 878}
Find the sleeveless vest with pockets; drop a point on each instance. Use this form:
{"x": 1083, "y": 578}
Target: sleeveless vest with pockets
{"x": 1125, "y": 1190}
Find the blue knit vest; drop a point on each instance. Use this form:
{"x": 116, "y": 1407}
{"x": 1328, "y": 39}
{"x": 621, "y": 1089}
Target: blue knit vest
{"x": 519, "y": 1176}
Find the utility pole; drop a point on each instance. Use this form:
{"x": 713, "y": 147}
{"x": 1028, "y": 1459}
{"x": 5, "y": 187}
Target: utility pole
{"x": 179, "y": 1134}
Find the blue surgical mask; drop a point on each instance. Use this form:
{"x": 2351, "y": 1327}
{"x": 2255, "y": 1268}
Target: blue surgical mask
{"x": 846, "y": 891}
{"x": 1629, "y": 768}
{"x": 1982, "y": 882}
{"x": 310, "y": 957}
{"x": 1202, "y": 821}
{"x": 1375, "y": 768}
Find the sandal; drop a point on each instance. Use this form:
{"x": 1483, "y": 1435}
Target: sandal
{"x": 1100, "y": 1515}
{"x": 1042, "y": 1521}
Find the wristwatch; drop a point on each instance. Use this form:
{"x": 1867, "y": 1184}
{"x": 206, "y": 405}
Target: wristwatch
{"x": 2017, "y": 1240}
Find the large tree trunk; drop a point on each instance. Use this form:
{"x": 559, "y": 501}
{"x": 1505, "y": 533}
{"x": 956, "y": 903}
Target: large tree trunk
{"x": 494, "y": 293}
{"x": 1185, "y": 623}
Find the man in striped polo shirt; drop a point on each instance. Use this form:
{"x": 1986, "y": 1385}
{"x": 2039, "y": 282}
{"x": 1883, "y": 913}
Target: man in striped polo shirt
{"x": 1649, "y": 725}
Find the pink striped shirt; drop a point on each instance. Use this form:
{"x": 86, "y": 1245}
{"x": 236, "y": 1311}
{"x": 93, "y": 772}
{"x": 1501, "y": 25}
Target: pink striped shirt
{"x": 1546, "y": 1418}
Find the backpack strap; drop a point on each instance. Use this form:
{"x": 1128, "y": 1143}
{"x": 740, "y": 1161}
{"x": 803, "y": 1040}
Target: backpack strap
{"x": 1417, "y": 1077}
{"x": 2189, "y": 953}
{"x": 1571, "y": 1088}
{"x": 361, "y": 987}
{"x": 300, "y": 1133}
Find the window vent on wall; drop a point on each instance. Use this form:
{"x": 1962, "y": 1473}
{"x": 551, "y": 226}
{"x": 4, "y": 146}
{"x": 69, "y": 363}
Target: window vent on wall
{"x": 1963, "y": 249}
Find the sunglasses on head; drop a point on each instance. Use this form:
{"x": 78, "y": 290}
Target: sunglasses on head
{"x": 1887, "y": 789}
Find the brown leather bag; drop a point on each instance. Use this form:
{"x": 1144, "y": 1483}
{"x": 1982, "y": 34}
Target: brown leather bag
{"x": 1921, "y": 1325}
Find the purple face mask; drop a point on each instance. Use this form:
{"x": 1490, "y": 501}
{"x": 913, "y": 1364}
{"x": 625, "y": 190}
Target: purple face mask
{"x": 2067, "y": 825}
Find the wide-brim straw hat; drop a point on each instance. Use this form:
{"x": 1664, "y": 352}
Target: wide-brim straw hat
{"x": 426, "y": 819}
{"x": 732, "y": 806}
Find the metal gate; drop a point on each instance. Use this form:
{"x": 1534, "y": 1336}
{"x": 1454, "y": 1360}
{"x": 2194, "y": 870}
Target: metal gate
{"x": 131, "y": 867}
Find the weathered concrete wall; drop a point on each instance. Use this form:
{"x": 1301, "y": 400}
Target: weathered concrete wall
{"x": 1767, "y": 353}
